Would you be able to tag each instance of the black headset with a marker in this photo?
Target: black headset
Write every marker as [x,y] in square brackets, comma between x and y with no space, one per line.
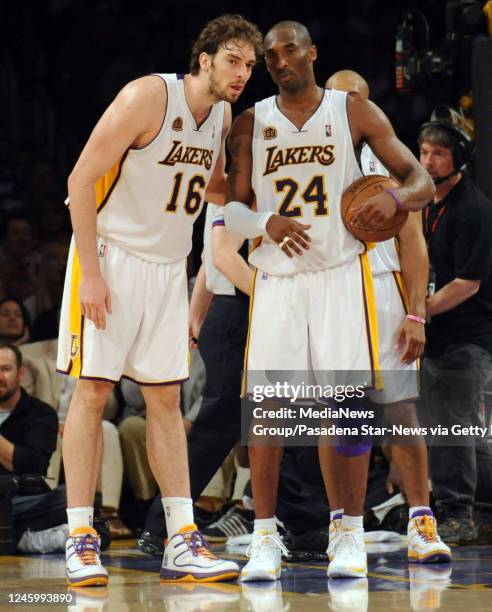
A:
[463,147]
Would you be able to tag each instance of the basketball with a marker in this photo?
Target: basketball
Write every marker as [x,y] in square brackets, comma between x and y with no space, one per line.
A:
[357,194]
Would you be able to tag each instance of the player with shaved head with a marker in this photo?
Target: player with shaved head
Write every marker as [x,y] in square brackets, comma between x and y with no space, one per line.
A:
[311,303]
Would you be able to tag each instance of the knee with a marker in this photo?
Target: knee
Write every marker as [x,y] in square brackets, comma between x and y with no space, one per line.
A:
[92,394]
[162,398]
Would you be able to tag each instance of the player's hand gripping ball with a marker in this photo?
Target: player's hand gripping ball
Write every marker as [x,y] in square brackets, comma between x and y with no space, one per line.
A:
[354,198]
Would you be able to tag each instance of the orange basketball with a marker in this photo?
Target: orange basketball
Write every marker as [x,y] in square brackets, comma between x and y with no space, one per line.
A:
[357,194]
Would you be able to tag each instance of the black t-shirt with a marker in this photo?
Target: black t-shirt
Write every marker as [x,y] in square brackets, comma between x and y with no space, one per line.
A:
[32,427]
[458,230]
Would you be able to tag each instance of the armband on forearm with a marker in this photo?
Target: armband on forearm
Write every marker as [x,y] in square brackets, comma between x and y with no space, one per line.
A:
[241,220]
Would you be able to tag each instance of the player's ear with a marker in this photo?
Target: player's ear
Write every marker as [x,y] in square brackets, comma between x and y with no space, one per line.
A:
[205,61]
[313,53]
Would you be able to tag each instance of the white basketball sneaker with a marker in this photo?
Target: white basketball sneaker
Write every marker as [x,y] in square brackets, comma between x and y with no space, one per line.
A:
[188,558]
[424,543]
[84,566]
[265,557]
[333,533]
[350,557]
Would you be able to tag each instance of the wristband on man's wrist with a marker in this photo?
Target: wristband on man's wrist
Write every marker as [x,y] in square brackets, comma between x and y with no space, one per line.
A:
[416,318]
[396,198]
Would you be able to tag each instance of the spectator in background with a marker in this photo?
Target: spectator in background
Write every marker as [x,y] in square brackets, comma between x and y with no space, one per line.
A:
[28,426]
[14,322]
[18,257]
[458,354]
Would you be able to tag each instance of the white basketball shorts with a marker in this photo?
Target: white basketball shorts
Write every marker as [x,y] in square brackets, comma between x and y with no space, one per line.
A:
[146,336]
[317,322]
[400,381]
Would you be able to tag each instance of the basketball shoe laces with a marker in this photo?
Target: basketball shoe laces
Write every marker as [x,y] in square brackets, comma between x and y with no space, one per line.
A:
[199,545]
[86,548]
[347,542]
[426,528]
[260,542]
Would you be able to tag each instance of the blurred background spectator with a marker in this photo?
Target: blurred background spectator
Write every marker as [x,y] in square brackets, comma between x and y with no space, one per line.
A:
[15,322]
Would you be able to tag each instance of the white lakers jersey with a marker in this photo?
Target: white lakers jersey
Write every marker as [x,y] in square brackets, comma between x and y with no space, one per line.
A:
[149,200]
[384,257]
[302,173]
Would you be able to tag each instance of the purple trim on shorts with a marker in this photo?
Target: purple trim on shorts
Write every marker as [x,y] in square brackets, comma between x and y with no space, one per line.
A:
[157,384]
[99,378]
[66,372]
[168,574]
[338,516]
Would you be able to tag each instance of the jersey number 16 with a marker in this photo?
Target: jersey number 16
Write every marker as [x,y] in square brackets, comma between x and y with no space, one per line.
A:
[194,193]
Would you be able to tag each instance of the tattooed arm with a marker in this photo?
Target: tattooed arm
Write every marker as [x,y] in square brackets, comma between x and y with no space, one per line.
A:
[238,186]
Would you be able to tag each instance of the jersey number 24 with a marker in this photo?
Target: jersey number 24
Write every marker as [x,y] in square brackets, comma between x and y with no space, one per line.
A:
[314,193]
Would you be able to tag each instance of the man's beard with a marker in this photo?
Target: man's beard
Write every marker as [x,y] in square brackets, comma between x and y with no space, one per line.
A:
[8,394]
[219,94]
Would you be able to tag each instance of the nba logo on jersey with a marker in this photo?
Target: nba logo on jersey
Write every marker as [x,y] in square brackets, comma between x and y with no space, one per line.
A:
[74,345]
[372,166]
[269,133]
[177,124]
[102,249]
[328,129]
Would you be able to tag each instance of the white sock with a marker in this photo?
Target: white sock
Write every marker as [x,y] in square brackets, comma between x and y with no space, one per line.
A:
[334,513]
[80,517]
[421,510]
[269,525]
[352,522]
[178,512]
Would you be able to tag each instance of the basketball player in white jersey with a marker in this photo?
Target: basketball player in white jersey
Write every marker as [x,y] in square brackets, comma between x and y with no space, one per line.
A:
[400,274]
[295,153]
[134,194]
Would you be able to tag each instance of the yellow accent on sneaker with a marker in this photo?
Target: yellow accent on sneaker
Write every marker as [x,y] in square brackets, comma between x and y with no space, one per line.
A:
[94,581]
[188,528]
[427,528]
[84,531]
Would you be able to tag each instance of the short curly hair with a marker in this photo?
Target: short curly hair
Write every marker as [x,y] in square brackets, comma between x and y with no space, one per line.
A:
[221,30]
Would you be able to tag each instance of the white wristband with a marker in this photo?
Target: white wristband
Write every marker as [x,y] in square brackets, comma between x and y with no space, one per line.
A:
[240,219]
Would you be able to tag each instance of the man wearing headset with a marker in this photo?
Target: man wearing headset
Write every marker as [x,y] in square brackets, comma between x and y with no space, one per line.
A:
[458,354]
